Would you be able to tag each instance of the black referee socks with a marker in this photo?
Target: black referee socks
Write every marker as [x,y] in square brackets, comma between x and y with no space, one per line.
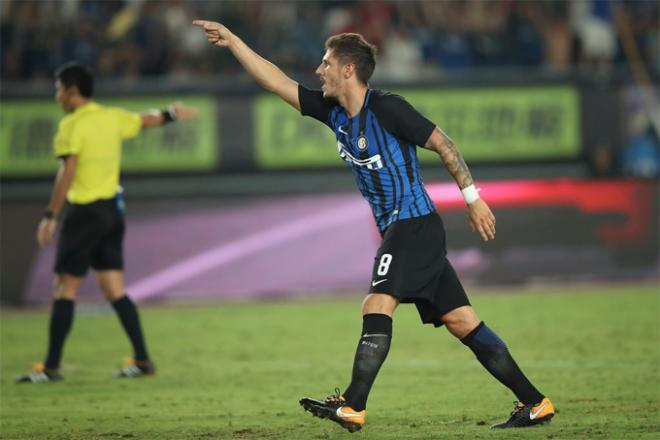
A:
[495,357]
[61,318]
[130,320]
[370,355]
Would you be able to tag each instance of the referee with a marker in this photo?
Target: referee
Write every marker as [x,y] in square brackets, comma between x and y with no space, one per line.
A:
[88,145]
[377,134]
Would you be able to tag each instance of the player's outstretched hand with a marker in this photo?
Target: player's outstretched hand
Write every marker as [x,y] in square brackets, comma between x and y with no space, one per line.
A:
[482,219]
[183,112]
[216,33]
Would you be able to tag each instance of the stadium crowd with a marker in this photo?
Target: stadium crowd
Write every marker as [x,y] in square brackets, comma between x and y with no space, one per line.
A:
[416,39]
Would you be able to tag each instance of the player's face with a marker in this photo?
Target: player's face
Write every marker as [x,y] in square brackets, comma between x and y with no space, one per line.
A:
[329,72]
[63,96]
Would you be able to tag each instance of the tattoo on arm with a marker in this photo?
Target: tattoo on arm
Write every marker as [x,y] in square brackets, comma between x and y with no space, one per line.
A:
[453,160]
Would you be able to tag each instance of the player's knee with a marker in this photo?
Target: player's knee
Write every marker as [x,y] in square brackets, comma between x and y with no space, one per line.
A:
[63,291]
[379,303]
[460,322]
[460,330]
[111,294]
[111,283]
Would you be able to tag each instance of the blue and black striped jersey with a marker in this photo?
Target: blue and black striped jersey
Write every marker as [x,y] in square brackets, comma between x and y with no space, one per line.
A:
[378,145]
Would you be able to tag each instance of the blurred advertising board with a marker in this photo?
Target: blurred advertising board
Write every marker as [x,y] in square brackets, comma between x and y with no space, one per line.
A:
[553,230]
[27,128]
[488,124]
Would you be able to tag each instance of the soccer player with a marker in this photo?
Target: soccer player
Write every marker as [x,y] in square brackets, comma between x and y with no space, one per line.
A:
[376,135]
[88,145]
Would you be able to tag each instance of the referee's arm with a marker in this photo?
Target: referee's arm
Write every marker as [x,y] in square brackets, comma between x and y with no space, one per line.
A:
[267,74]
[174,112]
[63,180]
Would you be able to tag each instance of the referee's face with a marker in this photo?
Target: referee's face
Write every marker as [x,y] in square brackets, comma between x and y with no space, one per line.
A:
[329,72]
[63,96]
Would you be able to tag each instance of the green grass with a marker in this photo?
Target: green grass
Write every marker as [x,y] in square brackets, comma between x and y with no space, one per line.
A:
[236,371]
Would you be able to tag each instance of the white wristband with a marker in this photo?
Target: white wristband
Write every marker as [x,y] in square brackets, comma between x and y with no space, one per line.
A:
[471,194]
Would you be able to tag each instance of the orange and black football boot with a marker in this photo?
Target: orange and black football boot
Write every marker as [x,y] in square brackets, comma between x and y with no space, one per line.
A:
[523,415]
[334,407]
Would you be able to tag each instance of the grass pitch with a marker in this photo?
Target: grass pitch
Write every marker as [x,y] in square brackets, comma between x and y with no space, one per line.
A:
[237,371]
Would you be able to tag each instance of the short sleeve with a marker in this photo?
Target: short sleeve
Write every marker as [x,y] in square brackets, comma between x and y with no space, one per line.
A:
[403,120]
[68,139]
[312,103]
[130,123]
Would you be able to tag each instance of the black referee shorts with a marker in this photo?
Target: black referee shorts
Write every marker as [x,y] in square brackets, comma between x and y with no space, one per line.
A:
[91,235]
[411,265]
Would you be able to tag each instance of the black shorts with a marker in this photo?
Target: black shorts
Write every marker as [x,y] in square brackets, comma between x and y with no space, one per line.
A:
[91,235]
[411,265]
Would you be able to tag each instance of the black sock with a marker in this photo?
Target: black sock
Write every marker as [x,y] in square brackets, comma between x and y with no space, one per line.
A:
[495,357]
[61,318]
[130,320]
[370,355]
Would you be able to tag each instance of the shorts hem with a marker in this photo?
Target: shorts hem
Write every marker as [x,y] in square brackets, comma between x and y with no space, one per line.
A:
[67,271]
[110,267]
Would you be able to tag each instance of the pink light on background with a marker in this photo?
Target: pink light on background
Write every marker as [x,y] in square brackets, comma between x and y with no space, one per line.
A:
[629,198]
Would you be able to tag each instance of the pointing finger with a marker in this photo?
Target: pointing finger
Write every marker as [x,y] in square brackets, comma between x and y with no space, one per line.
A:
[207,25]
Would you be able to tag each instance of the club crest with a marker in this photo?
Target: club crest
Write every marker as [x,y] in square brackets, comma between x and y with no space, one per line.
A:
[362,143]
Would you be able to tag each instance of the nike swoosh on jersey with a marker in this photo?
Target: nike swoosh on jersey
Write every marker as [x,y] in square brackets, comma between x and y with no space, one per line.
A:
[375,283]
[342,130]
[534,414]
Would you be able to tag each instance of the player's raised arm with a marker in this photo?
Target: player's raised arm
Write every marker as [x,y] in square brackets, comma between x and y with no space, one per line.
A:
[268,75]
[479,214]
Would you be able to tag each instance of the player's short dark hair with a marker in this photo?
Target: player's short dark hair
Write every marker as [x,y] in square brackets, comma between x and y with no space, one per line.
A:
[353,48]
[76,74]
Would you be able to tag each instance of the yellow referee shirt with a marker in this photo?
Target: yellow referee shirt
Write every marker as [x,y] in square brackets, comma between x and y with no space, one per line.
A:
[94,133]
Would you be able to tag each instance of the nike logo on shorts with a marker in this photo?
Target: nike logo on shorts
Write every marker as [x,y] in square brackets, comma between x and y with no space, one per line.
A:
[375,283]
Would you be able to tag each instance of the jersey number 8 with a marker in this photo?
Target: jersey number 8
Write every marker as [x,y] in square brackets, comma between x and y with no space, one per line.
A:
[384,265]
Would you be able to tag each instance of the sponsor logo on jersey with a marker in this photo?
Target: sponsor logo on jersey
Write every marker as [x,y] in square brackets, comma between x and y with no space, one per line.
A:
[372,163]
